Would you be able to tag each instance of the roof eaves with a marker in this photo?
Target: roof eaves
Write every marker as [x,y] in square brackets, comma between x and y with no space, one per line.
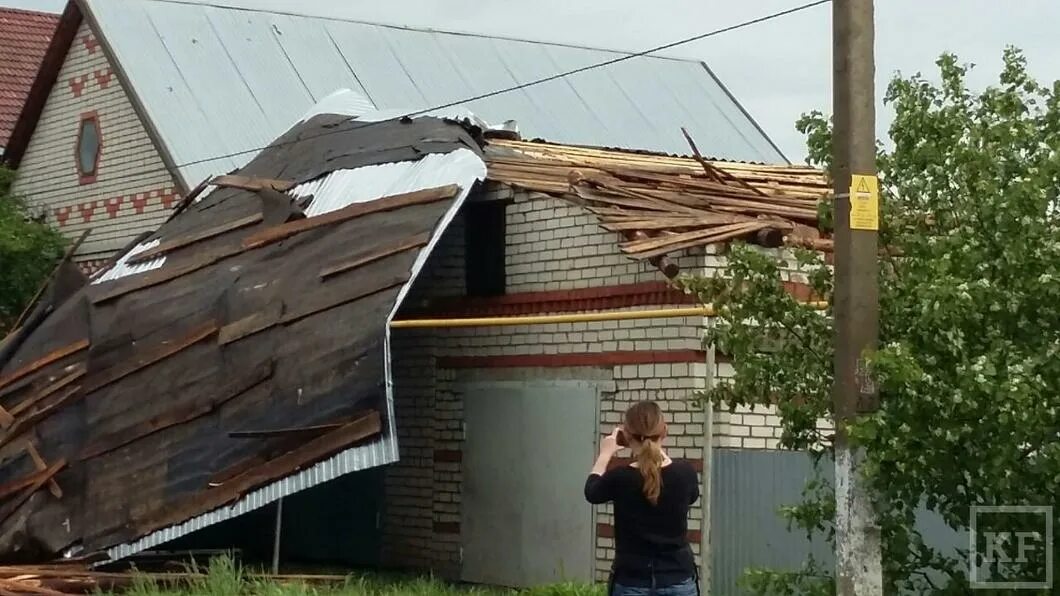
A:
[47,74]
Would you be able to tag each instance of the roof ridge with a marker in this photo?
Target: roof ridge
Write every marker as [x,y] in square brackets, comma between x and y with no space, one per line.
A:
[215,4]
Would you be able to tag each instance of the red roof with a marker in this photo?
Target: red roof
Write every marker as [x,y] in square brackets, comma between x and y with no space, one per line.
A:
[24,37]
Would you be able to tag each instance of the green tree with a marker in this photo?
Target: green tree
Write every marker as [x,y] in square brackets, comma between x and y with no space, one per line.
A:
[969,365]
[28,252]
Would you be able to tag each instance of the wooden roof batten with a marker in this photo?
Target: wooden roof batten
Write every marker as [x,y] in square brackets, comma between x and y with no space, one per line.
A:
[662,204]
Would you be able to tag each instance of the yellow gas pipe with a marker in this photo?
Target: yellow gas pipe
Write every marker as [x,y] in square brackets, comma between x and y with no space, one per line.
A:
[624,315]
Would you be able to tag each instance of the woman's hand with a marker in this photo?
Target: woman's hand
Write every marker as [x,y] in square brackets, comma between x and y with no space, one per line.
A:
[608,448]
[609,444]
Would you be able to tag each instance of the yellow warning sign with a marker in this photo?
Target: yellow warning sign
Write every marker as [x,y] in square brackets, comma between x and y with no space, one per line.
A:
[864,202]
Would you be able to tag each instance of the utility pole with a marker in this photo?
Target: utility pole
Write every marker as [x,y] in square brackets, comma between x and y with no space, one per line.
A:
[858,555]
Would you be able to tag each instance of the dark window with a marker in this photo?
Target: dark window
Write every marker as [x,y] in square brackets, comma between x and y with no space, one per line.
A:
[484,235]
[89,142]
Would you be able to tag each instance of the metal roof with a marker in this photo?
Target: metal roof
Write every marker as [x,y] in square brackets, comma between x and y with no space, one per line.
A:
[219,80]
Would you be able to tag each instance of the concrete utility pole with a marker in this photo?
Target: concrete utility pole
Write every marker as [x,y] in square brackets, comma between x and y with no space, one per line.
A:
[858,556]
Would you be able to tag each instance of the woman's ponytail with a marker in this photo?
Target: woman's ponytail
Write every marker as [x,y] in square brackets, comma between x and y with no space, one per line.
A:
[649,463]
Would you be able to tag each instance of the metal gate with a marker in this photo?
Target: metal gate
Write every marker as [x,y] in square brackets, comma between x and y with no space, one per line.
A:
[524,519]
[749,488]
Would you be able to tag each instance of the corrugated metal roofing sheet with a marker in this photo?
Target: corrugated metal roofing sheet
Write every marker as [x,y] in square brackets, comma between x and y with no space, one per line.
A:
[218,80]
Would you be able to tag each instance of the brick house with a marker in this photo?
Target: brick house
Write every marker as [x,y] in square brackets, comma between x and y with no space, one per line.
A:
[487,426]
[106,144]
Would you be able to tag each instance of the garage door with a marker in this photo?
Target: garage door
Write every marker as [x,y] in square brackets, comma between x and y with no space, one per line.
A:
[527,451]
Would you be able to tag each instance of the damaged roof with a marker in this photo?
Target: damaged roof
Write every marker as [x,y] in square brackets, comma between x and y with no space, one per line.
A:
[238,354]
[24,37]
[662,204]
[221,81]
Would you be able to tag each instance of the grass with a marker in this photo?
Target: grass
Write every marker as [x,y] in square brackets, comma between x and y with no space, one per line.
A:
[225,578]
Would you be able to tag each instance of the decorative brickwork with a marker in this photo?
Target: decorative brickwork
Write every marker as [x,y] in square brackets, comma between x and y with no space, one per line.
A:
[129,192]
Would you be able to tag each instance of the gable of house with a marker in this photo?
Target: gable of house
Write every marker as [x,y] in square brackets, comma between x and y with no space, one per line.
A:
[130,191]
[24,37]
[184,91]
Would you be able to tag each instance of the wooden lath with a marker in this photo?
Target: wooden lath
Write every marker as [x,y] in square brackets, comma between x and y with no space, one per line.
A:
[662,204]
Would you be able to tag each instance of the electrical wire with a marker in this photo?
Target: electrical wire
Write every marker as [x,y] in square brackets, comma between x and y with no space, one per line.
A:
[623,58]
[420,112]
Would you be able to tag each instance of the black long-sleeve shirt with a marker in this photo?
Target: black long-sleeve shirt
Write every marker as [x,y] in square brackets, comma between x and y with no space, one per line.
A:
[649,539]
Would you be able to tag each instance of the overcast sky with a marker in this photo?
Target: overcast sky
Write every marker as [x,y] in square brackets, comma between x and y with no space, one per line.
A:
[778,69]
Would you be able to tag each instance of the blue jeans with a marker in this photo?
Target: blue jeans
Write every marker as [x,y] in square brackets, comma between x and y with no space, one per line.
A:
[685,588]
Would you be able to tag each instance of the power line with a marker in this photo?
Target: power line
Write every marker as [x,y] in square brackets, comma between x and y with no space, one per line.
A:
[540,81]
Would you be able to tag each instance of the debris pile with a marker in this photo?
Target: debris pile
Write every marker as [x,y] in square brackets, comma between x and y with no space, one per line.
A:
[664,204]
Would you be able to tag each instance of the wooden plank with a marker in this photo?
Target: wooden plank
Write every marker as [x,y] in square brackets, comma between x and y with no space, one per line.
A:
[709,169]
[390,250]
[282,432]
[733,233]
[11,507]
[28,421]
[120,287]
[43,361]
[187,199]
[252,183]
[176,416]
[279,467]
[420,197]
[15,486]
[637,246]
[38,462]
[17,587]
[76,372]
[148,357]
[196,236]
[249,325]
[312,309]
[671,223]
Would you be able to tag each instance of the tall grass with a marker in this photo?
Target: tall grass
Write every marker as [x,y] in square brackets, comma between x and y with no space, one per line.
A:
[224,577]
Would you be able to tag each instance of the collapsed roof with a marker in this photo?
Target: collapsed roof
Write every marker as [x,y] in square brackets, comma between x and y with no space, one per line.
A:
[663,204]
[238,354]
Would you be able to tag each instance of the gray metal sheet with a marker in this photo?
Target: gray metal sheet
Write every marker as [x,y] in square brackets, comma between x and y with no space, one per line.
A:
[537,506]
[216,80]
[750,487]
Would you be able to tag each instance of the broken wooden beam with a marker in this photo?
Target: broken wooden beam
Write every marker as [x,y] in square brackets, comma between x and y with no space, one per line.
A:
[181,241]
[53,356]
[38,462]
[283,231]
[252,183]
[42,479]
[365,258]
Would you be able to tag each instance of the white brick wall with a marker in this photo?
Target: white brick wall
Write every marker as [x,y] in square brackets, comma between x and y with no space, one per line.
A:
[565,249]
[131,180]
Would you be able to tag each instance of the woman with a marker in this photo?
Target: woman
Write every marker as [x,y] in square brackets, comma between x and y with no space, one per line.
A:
[651,499]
